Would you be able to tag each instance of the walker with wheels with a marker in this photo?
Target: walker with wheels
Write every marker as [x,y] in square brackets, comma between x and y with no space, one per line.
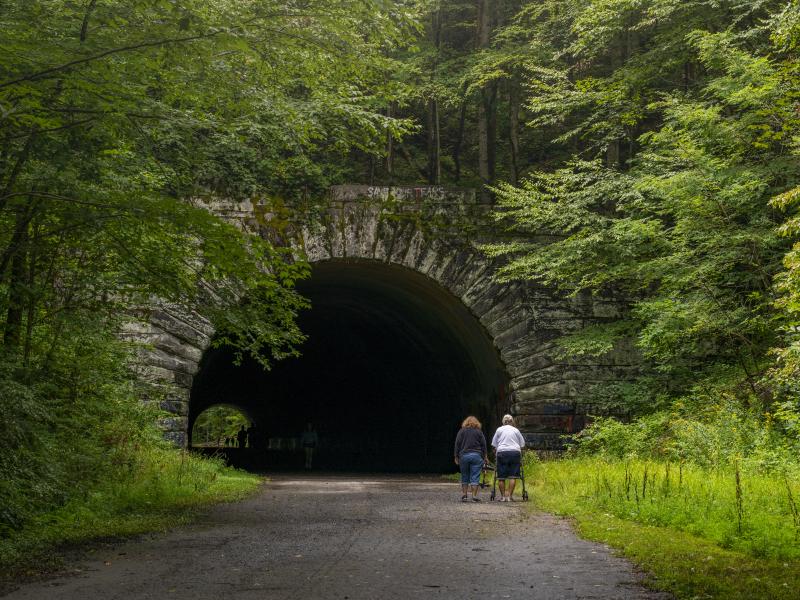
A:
[485,470]
[493,495]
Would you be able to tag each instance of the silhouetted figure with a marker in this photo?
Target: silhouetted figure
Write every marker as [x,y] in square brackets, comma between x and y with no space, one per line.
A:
[252,437]
[309,439]
[242,437]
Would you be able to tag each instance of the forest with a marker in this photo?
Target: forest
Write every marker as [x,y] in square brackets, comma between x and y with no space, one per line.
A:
[657,142]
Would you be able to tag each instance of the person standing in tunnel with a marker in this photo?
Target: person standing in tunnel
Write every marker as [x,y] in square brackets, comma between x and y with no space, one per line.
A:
[252,437]
[508,443]
[241,437]
[470,456]
[309,439]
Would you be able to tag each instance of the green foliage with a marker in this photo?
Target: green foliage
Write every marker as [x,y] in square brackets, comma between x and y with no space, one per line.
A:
[758,519]
[160,487]
[685,535]
[64,434]
[681,121]
[722,437]
[215,424]
[120,123]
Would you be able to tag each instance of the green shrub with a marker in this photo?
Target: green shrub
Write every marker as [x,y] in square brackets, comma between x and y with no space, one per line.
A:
[158,487]
[81,455]
[67,423]
[712,436]
[756,513]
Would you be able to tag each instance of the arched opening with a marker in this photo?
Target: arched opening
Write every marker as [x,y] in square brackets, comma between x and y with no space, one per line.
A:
[219,426]
[392,364]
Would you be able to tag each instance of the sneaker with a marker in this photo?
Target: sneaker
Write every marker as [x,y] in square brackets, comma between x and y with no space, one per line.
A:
[464,498]
[476,499]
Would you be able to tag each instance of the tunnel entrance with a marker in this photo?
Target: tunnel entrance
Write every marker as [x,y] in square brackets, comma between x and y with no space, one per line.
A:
[392,364]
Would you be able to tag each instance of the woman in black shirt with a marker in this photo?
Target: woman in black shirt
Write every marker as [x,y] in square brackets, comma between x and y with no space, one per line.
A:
[470,456]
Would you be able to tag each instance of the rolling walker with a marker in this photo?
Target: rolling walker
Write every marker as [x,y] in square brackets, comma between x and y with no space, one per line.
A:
[493,495]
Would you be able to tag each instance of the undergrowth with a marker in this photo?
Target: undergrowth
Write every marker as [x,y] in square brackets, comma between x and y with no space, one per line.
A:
[705,497]
[162,487]
[756,514]
[81,456]
[693,530]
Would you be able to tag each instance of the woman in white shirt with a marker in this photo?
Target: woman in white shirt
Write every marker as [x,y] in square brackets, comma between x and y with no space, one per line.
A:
[508,444]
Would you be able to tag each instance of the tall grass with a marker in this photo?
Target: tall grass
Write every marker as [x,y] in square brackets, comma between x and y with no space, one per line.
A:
[157,488]
[755,513]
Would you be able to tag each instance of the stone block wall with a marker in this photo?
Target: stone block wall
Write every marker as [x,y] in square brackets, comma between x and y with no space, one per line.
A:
[431,230]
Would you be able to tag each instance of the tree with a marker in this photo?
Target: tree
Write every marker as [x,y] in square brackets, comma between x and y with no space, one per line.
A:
[679,119]
[118,121]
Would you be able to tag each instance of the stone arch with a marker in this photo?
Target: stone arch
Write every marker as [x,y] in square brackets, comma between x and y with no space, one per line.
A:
[424,229]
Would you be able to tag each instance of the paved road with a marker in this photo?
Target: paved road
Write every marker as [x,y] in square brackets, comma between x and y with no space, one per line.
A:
[336,537]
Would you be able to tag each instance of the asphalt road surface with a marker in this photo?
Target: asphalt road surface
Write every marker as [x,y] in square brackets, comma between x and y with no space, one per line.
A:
[354,537]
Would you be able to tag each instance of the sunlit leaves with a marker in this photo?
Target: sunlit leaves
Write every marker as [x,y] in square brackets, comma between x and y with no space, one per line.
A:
[119,120]
[681,226]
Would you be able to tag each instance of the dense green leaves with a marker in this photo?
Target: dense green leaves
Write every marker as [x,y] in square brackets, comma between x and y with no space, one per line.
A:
[218,425]
[119,123]
[682,123]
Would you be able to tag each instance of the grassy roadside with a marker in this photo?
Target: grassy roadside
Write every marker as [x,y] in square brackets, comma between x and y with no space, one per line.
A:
[164,488]
[682,542]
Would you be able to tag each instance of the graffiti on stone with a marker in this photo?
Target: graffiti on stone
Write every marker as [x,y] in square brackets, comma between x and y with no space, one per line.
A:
[416,194]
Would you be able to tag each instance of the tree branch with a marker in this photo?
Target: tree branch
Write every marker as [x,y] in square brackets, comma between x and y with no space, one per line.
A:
[121,49]
[52,129]
[150,44]
[49,196]
[85,24]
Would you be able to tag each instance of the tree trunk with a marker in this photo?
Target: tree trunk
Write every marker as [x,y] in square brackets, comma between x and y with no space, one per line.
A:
[22,157]
[434,141]
[85,24]
[390,110]
[462,118]
[513,126]
[434,144]
[16,294]
[24,216]
[30,316]
[371,169]
[613,155]
[487,118]
[487,134]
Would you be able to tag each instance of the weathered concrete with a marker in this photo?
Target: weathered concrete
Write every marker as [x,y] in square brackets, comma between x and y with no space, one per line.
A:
[428,230]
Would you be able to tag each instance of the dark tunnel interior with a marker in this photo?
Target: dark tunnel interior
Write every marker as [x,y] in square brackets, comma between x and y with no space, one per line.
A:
[392,364]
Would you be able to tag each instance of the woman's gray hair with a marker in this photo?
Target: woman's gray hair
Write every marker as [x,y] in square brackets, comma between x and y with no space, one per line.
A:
[508,420]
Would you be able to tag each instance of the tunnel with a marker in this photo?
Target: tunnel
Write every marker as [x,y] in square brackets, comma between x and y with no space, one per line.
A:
[392,364]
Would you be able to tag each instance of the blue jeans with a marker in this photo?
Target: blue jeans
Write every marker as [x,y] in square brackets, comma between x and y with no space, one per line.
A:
[470,463]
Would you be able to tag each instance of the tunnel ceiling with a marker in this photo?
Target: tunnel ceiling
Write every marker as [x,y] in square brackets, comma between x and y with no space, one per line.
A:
[391,365]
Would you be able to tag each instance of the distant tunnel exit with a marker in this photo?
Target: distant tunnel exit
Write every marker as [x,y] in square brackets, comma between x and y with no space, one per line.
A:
[392,364]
